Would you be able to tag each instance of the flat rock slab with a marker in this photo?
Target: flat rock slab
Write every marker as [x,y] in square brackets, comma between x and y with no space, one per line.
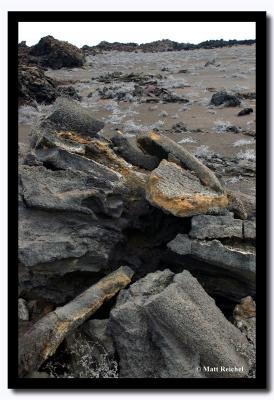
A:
[166,326]
[177,191]
[214,227]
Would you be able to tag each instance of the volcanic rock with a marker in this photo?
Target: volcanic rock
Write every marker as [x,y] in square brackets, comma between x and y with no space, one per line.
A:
[127,147]
[245,111]
[177,191]
[223,98]
[164,148]
[211,227]
[68,115]
[57,54]
[166,326]
[35,86]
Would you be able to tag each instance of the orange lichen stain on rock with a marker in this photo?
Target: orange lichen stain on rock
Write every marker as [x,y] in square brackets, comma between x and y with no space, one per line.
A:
[60,330]
[185,206]
[153,136]
[73,136]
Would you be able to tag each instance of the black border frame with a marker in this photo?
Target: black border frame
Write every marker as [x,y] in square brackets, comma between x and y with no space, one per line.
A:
[14,17]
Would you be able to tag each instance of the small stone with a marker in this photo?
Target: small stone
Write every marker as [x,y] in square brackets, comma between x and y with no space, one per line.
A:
[23,312]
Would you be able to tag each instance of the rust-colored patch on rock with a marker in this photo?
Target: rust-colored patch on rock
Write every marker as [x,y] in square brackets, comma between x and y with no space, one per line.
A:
[73,136]
[177,191]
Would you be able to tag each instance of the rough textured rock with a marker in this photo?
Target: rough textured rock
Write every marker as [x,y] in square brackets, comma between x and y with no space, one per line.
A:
[181,193]
[34,85]
[126,146]
[166,325]
[249,229]
[70,116]
[244,316]
[164,148]
[212,227]
[237,260]
[23,312]
[43,339]
[56,54]
[223,98]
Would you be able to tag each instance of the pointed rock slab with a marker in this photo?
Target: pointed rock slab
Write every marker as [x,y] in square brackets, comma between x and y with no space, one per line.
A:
[164,148]
[177,191]
[166,326]
[43,339]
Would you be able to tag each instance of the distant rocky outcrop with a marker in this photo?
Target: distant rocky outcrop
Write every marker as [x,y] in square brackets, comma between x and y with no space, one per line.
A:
[57,54]
[163,45]
[34,86]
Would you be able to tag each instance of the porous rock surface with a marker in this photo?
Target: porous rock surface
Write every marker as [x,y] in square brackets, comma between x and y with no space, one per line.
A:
[56,54]
[176,190]
[166,326]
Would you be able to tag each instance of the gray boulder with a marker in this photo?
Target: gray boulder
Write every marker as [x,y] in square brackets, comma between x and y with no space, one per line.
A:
[223,98]
[166,326]
[68,115]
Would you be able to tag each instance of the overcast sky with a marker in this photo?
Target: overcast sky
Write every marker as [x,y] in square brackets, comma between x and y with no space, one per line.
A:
[91,33]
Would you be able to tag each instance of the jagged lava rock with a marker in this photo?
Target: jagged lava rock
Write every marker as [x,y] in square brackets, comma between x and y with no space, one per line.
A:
[166,326]
[34,85]
[56,54]
[181,193]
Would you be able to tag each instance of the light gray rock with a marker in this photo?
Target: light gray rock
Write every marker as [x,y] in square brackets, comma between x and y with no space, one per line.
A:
[249,230]
[23,312]
[214,227]
[181,244]
[70,191]
[166,326]
[224,270]
[239,260]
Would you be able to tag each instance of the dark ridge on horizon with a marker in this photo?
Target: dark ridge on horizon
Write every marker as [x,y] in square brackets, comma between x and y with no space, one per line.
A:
[155,46]
[165,45]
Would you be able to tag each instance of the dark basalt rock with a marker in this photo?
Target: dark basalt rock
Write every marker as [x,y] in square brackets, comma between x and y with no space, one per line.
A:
[223,98]
[35,86]
[245,111]
[163,45]
[57,54]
